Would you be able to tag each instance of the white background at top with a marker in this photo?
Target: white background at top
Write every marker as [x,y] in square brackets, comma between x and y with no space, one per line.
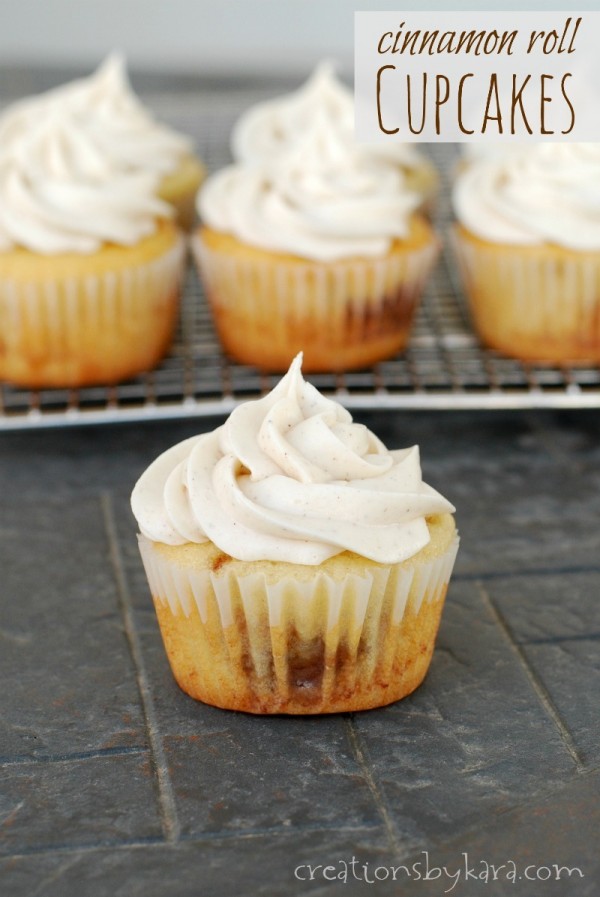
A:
[202,36]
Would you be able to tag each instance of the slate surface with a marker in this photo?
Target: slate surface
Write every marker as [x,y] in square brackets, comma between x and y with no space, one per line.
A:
[113,782]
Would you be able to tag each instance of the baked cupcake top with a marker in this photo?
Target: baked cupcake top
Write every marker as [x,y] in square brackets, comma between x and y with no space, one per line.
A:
[533,194]
[270,128]
[109,118]
[59,194]
[320,199]
[289,477]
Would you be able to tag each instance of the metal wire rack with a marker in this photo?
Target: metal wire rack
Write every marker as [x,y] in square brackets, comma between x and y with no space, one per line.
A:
[444,367]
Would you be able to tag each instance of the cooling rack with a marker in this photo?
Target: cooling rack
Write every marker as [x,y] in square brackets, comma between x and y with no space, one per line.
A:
[444,367]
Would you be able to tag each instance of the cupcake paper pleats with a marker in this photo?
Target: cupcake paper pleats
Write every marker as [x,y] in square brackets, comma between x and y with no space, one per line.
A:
[538,303]
[342,315]
[66,327]
[321,644]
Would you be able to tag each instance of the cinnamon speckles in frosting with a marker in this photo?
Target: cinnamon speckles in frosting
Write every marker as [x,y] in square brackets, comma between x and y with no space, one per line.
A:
[533,194]
[289,477]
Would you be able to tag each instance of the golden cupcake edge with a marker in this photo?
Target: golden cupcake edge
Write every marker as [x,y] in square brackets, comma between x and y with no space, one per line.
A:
[268,637]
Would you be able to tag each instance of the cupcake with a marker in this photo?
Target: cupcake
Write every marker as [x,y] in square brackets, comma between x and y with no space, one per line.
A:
[90,263]
[528,245]
[321,250]
[270,128]
[109,118]
[296,565]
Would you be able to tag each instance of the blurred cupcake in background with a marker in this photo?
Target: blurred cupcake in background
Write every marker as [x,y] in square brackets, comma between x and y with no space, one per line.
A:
[90,260]
[528,244]
[321,249]
[469,153]
[272,127]
[107,116]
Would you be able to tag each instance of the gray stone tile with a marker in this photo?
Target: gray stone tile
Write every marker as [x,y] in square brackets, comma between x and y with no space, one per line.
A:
[472,740]
[69,683]
[443,435]
[556,623]
[544,839]
[74,803]
[239,773]
[261,865]
[257,794]
[571,437]
[518,514]
[85,460]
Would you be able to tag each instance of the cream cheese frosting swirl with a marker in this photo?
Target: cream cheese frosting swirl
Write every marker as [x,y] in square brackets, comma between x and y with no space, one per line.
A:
[268,129]
[109,117]
[80,165]
[321,200]
[534,194]
[58,195]
[289,477]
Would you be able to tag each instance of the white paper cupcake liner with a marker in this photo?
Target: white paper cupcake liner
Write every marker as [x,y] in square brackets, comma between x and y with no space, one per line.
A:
[534,304]
[335,311]
[352,628]
[56,329]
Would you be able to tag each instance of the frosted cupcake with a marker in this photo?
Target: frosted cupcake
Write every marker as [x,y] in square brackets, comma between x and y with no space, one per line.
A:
[90,263]
[110,120]
[528,244]
[268,129]
[322,250]
[296,565]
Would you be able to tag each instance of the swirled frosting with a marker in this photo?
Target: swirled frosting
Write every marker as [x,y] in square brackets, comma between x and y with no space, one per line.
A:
[289,477]
[321,199]
[534,194]
[108,117]
[57,195]
[79,166]
[270,128]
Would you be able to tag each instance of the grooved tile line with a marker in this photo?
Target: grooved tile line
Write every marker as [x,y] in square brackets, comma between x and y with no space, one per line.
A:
[205,838]
[166,798]
[24,759]
[369,778]
[54,876]
[537,685]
